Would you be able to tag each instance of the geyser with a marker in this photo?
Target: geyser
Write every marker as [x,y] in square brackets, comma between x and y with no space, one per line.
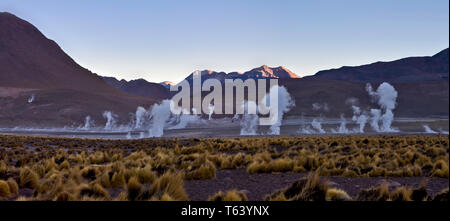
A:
[249,123]
[285,103]
[386,97]
[110,120]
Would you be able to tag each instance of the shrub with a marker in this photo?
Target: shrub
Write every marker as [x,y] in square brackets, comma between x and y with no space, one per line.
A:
[442,196]
[89,172]
[3,169]
[420,193]
[4,189]
[171,184]
[64,165]
[310,188]
[337,195]
[104,180]
[13,187]
[379,193]
[401,194]
[28,178]
[281,165]
[118,180]
[440,169]
[232,195]
[134,188]
[92,192]
[206,170]
[63,196]
[145,175]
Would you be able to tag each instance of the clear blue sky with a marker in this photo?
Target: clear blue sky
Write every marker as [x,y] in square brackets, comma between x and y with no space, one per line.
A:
[166,39]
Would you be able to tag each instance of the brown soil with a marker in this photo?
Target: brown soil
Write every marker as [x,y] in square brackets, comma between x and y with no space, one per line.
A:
[257,186]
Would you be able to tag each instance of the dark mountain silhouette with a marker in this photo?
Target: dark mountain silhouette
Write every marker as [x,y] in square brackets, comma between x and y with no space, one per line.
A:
[412,69]
[139,87]
[415,99]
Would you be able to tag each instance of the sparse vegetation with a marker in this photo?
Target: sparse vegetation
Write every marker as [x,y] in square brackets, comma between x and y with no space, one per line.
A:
[155,169]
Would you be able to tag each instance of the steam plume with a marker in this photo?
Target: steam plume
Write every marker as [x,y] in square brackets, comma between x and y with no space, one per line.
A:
[31,99]
[386,97]
[110,120]
[159,113]
[429,130]
[249,123]
[285,103]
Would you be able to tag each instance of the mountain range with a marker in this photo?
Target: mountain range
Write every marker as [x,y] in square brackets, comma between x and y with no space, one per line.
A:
[32,65]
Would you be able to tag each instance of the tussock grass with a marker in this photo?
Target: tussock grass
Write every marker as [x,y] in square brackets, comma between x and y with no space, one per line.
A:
[232,195]
[334,194]
[442,196]
[28,178]
[58,167]
[13,187]
[170,184]
[4,189]
[310,188]
[440,169]
[134,188]
[401,194]
[379,193]
[420,193]
[92,192]
[118,180]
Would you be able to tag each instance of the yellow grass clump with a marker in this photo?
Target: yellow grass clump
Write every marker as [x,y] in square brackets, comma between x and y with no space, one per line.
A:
[334,194]
[28,178]
[4,189]
[232,195]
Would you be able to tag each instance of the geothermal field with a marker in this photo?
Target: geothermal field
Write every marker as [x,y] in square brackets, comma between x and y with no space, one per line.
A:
[370,156]
[158,121]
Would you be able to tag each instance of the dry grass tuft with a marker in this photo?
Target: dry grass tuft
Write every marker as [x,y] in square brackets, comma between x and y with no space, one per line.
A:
[118,180]
[232,195]
[337,195]
[4,189]
[92,192]
[310,188]
[170,184]
[443,196]
[28,178]
[13,187]
[379,193]
[440,169]
[134,189]
[401,194]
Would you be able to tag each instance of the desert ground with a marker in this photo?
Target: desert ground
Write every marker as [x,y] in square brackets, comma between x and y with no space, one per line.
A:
[362,167]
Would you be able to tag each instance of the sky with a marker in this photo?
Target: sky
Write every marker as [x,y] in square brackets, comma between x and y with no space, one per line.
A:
[167,39]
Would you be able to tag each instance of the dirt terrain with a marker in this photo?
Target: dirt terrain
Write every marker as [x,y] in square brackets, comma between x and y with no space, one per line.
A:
[257,186]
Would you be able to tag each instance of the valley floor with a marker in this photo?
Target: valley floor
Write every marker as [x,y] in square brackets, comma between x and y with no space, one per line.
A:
[225,127]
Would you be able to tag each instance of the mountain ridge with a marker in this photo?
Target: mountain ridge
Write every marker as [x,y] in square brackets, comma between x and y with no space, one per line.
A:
[409,69]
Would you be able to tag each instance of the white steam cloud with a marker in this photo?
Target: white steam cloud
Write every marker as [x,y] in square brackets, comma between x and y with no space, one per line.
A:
[159,113]
[140,117]
[285,103]
[429,130]
[317,125]
[249,123]
[110,120]
[386,97]
[31,99]
[211,111]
